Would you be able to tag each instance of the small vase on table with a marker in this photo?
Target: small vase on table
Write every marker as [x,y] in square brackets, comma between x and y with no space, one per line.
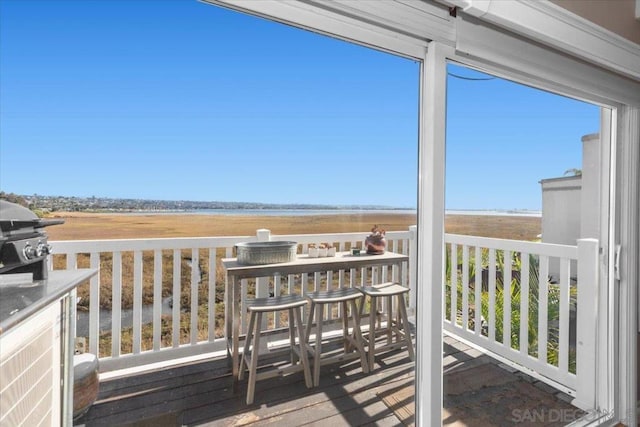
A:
[376,243]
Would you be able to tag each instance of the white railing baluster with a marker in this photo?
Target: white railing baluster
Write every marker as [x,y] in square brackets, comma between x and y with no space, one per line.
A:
[211,305]
[175,315]
[506,291]
[195,280]
[116,304]
[454,283]
[341,274]
[394,268]
[492,294]
[563,333]
[375,275]
[94,305]
[524,304]
[412,251]
[72,261]
[465,287]
[477,292]
[291,284]
[543,304]
[276,293]
[137,302]
[157,299]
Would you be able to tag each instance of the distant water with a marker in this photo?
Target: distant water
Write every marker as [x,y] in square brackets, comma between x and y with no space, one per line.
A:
[276,212]
[307,212]
[515,212]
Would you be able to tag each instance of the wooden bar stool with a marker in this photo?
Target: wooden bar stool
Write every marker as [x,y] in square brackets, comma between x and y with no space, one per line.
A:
[353,343]
[398,326]
[299,355]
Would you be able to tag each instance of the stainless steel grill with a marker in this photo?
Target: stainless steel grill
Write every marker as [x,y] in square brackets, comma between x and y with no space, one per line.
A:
[23,242]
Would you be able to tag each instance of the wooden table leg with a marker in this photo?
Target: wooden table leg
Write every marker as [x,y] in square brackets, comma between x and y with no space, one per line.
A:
[236,327]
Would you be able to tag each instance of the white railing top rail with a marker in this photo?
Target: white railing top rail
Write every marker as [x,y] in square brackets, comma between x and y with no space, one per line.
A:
[109,245]
[549,249]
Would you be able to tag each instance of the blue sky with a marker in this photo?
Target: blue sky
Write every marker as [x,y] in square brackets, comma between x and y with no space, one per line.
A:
[181,100]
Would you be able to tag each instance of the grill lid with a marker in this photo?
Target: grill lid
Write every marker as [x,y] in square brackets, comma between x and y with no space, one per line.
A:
[14,217]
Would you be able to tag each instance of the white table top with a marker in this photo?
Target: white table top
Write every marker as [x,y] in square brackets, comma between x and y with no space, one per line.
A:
[304,264]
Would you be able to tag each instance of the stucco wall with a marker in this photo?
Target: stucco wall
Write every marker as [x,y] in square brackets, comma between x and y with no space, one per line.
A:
[561,214]
[614,15]
[561,209]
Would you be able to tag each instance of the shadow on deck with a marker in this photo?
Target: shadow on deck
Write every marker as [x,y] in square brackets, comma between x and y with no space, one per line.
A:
[478,392]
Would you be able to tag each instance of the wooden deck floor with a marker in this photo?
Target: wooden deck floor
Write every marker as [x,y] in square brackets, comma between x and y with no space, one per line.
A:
[478,391]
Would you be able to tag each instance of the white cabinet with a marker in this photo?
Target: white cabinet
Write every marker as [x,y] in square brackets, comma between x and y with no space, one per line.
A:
[31,370]
[37,333]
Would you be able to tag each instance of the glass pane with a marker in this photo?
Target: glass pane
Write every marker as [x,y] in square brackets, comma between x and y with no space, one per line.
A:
[523,170]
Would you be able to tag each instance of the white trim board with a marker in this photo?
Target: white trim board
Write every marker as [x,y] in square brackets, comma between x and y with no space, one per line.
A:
[405,27]
[476,39]
[402,27]
[554,26]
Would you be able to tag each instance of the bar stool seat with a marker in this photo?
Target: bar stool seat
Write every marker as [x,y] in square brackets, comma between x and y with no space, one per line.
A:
[299,355]
[398,326]
[353,343]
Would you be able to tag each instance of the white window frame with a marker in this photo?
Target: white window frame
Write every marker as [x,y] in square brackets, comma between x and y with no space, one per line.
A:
[423,31]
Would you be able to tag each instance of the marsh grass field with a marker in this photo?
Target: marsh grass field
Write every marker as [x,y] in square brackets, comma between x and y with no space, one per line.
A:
[101,226]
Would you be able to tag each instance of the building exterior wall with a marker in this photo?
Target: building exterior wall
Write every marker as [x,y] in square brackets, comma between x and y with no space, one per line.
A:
[591,194]
[561,210]
[571,205]
[618,16]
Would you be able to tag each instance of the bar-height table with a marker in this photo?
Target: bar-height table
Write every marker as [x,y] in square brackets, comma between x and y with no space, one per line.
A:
[302,264]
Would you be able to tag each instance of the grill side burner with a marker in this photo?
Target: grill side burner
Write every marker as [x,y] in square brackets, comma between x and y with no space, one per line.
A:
[23,243]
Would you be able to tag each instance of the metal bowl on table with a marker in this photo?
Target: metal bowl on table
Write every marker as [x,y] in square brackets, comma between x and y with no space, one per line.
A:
[259,253]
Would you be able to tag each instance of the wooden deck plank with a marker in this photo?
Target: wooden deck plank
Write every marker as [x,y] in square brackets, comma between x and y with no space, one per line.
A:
[202,394]
[345,381]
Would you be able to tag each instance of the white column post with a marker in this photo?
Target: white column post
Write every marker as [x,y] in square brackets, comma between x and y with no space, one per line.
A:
[431,158]
[626,266]
[586,324]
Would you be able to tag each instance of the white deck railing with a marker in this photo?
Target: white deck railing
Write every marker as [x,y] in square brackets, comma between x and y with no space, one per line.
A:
[187,272]
[529,304]
[183,276]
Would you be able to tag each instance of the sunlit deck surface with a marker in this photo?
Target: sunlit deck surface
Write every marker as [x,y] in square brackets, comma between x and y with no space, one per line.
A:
[478,392]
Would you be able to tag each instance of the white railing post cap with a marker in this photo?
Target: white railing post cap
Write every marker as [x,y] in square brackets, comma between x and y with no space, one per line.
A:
[263,234]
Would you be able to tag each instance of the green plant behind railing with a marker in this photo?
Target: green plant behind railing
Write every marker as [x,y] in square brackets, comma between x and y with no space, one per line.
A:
[514,289]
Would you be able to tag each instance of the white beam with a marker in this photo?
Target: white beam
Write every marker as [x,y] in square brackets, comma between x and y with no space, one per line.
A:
[571,77]
[628,268]
[402,27]
[554,26]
